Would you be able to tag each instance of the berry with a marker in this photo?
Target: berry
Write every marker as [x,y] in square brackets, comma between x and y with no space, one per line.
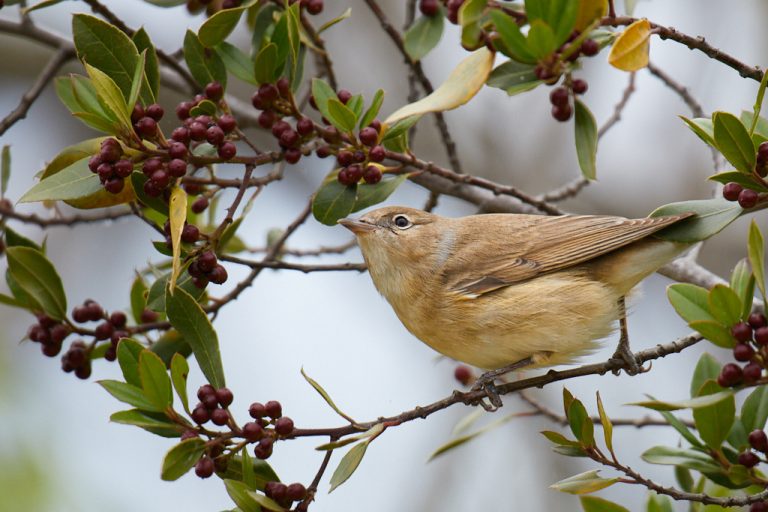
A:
[579,86]
[279,127]
[355,173]
[289,138]
[252,431]
[151,189]
[80,315]
[227,123]
[463,374]
[344,179]
[214,135]
[761,336]
[114,185]
[160,178]
[377,154]
[369,136]
[83,372]
[183,108]
[305,126]
[344,96]
[274,409]
[372,175]
[104,331]
[123,168]
[219,417]
[760,506]
[284,426]
[155,111]
[257,410]
[562,113]
[278,491]
[730,375]
[590,47]
[205,390]
[177,167]
[204,467]
[559,96]
[743,352]
[323,152]
[758,440]
[146,127]
[330,135]
[210,402]
[344,158]
[94,310]
[731,191]
[747,198]
[218,275]
[51,350]
[358,156]
[148,316]
[200,204]
[197,131]
[190,234]
[110,151]
[207,261]
[284,87]
[118,319]
[762,152]
[151,165]
[429,7]
[315,7]
[752,372]
[58,333]
[137,112]
[224,396]
[178,149]
[262,451]
[296,492]
[268,93]
[748,459]
[227,151]
[258,102]
[292,155]
[742,332]
[214,91]
[94,162]
[180,134]
[105,172]
[757,320]
[111,353]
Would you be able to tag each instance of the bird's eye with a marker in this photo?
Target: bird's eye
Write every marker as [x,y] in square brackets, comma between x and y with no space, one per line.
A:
[402,221]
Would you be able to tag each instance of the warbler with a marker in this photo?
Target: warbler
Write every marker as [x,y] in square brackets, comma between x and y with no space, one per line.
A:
[496,290]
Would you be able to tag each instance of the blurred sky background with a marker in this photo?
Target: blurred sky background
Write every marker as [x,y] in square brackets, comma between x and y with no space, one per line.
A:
[58,451]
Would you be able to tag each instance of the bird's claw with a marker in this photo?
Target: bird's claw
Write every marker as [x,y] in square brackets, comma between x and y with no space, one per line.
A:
[631,367]
[491,393]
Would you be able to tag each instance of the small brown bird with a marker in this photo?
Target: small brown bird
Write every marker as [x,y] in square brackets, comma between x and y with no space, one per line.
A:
[505,289]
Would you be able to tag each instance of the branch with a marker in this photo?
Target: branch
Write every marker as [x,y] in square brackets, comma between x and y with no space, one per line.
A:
[306,269]
[61,221]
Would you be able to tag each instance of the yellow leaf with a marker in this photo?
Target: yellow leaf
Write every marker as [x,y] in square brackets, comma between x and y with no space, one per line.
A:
[589,11]
[104,199]
[630,51]
[460,86]
[177,211]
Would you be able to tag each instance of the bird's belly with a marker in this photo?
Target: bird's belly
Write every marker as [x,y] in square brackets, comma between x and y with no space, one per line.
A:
[557,316]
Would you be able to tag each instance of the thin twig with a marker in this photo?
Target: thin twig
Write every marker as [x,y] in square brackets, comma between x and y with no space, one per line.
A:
[284,265]
[69,221]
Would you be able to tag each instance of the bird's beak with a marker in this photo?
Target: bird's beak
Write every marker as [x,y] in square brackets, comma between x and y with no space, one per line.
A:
[357,226]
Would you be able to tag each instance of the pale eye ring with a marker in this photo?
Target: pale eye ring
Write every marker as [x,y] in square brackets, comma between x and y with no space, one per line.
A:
[401,221]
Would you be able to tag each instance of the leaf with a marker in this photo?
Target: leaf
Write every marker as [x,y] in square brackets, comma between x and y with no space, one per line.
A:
[743,283]
[468,437]
[181,458]
[36,275]
[187,317]
[370,433]
[159,425]
[13,239]
[151,67]
[348,464]
[266,503]
[469,16]
[586,140]
[156,297]
[5,168]
[460,87]
[373,109]
[333,200]
[130,394]
[589,11]
[606,422]
[724,305]
[707,368]
[692,403]
[754,411]
[10,301]
[39,5]
[681,428]
[216,28]
[690,301]
[513,41]
[745,180]
[369,195]
[514,78]
[715,421]
[684,478]
[155,203]
[756,254]
[177,206]
[733,141]
[657,503]
[322,93]
[154,380]
[246,465]
[237,62]
[595,504]
[138,80]
[128,351]
[169,344]
[558,438]
[138,297]
[581,423]
[241,495]
[583,483]
[204,63]
[423,35]
[687,458]
[323,393]
[179,373]
[266,63]
[399,129]
[341,17]
[562,18]
[541,39]
[110,96]
[760,123]
[341,116]
[715,332]
[712,216]
[106,48]
[630,50]
[703,128]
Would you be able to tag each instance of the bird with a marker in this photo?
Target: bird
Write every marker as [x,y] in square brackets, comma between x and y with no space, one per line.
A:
[509,291]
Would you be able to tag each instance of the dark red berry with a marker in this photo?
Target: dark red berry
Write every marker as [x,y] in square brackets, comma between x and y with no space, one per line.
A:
[111,353]
[80,315]
[252,431]
[747,198]
[278,491]
[314,7]
[355,173]
[296,492]
[742,332]
[758,440]
[284,87]
[344,158]
[757,320]
[292,155]
[200,204]
[369,136]
[761,336]
[114,185]
[579,86]
[227,151]
[214,91]
[730,375]
[284,426]
[323,151]
[762,152]
[227,123]
[330,134]
[137,112]
[206,261]
[257,410]
[274,409]
[148,316]
[562,113]
[58,333]
[559,96]
[197,131]
[463,374]
[358,156]
[151,165]
[377,154]
[83,372]
[344,95]
[94,162]
[376,125]
[104,331]
[289,138]
[210,402]
[262,451]
[743,352]
[155,111]
[151,189]
[94,310]
[146,127]
[305,126]
[590,47]
[214,135]
[731,191]
[752,372]
[190,234]
[748,459]
[181,134]
[218,275]
[178,149]
[372,175]
[183,108]
[105,172]
[224,396]
[177,167]
[219,417]
[205,390]
[118,319]
[123,168]
[160,178]
[760,506]
[259,102]
[429,7]
[279,127]
[204,467]
[268,93]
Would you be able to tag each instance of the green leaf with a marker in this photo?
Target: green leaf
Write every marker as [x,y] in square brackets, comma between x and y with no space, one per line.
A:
[400,128]
[138,80]
[595,504]
[110,96]
[266,64]
[204,63]
[85,95]
[348,464]
[586,140]
[684,478]
[687,458]
[107,48]
[369,195]
[514,77]
[263,472]
[341,17]
[712,216]
[583,483]
[323,393]
[606,422]
[333,200]
[760,123]
[562,18]
[715,421]
[733,141]
[341,116]
[514,43]
[186,315]
[237,62]
[581,423]
[262,25]
[128,351]
[169,344]
[468,437]
[10,301]
[292,15]
[129,394]
[470,17]
[657,503]
[74,182]
[5,168]
[137,180]
[703,128]
[266,503]
[372,432]
[241,495]
[699,402]
[39,5]
[156,297]
[681,428]
[707,368]
[690,301]
[558,438]
[322,92]
[423,36]
[724,305]
[138,297]
[36,275]
[154,380]
[743,283]
[541,39]
[218,27]
[246,465]
[151,67]
[715,332]
[179,373]
[13,239]
[373,109]
[754,411]
[181,458]
[745,180]
[98,122]
[152,422]
[756,254]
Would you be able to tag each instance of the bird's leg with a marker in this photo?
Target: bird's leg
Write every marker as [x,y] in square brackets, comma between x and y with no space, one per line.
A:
[622,350]
[485,382]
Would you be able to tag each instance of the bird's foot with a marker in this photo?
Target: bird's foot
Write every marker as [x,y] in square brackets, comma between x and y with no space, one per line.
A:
[631,367]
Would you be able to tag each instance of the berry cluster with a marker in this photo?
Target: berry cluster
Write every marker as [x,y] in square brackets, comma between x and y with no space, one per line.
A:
[561,95]
[257,430]
[213,405]
[49,333]
[276,102]
[110,166]
[145,120]
[111,328]
[752,339]
[284,494]
[77,359]
[206,268]
[747,197]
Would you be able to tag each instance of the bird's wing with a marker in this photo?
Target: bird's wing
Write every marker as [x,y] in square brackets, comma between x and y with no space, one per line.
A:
[528,246]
